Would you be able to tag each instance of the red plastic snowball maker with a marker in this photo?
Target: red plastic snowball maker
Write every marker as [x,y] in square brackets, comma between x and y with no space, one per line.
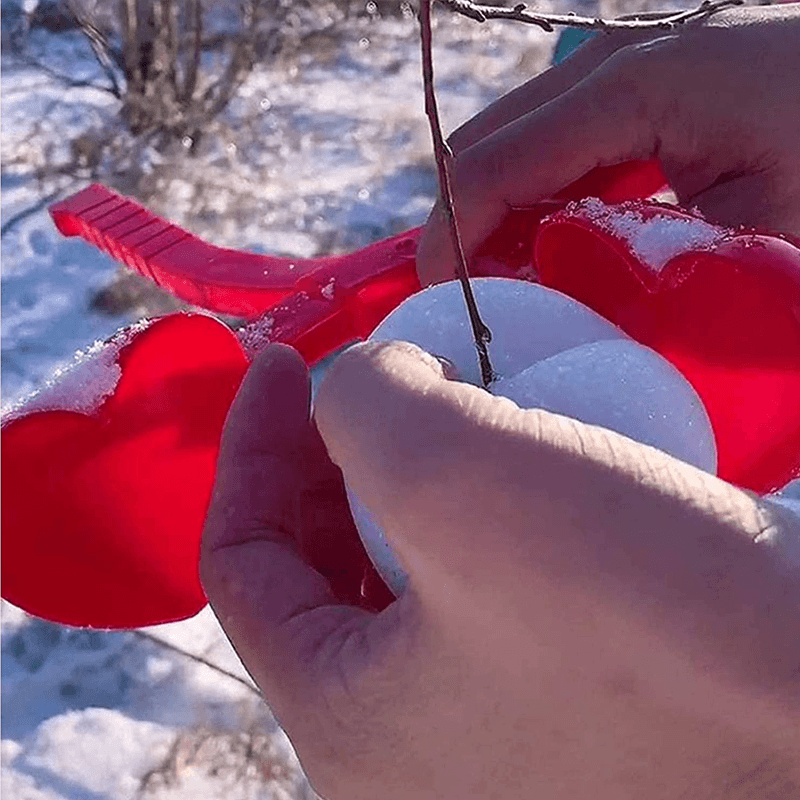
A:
[102,512]
[318,304]
[103,506]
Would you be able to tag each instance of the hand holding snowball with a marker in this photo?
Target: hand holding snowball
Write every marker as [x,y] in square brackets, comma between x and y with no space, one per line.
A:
[586,617]
[552,352]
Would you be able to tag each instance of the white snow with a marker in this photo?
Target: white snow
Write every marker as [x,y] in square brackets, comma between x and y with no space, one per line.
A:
[85,383]
[328,289]
[97,714]
[254,336]
[792,490]
[783,542]
[654,240]
[62,745]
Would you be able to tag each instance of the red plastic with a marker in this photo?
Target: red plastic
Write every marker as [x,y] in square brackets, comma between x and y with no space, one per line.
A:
[102,513]
[220,279]
[319,304]
[728,317]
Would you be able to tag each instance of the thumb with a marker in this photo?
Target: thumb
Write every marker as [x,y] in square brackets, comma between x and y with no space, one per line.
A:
[275,608]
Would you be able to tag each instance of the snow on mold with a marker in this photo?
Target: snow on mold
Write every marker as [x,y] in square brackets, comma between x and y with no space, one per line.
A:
[655,239]
[84,384]
[257,335]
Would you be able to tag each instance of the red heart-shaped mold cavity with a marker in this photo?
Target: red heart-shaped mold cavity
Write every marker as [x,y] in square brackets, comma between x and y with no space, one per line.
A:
[722,306]
[102,513]
[103,509]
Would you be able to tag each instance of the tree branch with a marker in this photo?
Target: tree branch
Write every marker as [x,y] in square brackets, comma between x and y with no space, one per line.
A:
[43,202]
[548,22]
[148,637]
[70,83]
[195,26]
[218,95]
[103,52]
[442,153]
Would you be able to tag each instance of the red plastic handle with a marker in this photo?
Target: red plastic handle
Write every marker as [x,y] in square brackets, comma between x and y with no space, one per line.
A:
[317,304]
[217,278]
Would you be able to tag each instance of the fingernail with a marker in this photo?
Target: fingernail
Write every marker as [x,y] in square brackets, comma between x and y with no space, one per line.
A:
[448,367]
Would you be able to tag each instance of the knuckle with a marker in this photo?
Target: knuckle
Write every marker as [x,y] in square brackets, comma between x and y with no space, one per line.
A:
[636,80]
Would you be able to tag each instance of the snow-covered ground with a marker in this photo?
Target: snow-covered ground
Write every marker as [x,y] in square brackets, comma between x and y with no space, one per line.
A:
[325,151]
[94,714]
[321,152]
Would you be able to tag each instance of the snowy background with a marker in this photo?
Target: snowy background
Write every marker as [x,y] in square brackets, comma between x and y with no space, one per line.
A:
[324,149]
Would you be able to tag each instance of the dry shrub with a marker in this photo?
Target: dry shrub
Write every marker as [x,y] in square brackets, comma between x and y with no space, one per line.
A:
[176,64]
[242,762]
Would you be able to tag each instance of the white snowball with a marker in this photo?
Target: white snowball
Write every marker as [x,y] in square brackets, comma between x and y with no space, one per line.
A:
[791,490]
[625,387]
[549,352]
[378,548]
[528,323]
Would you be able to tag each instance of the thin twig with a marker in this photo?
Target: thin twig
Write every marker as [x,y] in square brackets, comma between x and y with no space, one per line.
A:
[104,54]
[69,82]
[442,152]
[217,96]
[548,22]
[148,637]
[27,212]
[195,26]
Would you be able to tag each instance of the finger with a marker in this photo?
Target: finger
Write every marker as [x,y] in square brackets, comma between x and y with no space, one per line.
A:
[474,493]
[545,87]
[375,380]
[315,510]
[434,260]
[757,201]
[603,119]
[262,589]
[418,450]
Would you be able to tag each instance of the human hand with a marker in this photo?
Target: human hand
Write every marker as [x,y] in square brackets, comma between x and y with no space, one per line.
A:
[717,103]
[586,617]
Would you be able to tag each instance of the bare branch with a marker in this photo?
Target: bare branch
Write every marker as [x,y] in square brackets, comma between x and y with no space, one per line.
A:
[43,202]
[442,152]
[218,95]
[129,16]
[195,25]
[105,55]
[173,41]
[66,80]
[148,637]
[548,22]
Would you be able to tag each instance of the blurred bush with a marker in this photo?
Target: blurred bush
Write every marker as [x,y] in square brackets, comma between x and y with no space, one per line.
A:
[176,64]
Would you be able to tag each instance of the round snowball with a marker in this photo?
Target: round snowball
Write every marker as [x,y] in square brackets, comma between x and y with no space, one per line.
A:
[550,352]
[528,323]
[625,387]
[792,490]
